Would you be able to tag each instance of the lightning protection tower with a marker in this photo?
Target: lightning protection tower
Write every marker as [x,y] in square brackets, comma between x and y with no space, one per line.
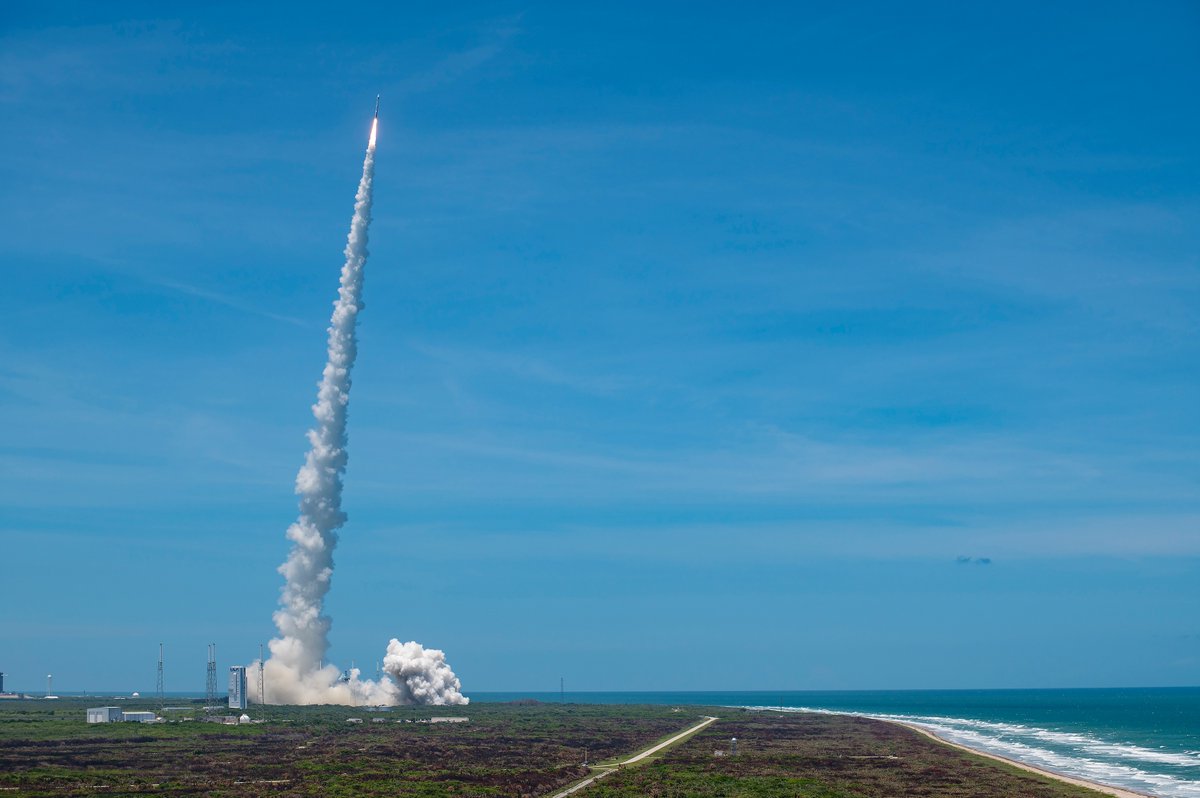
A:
[210,683]
[158,687]
[262,698]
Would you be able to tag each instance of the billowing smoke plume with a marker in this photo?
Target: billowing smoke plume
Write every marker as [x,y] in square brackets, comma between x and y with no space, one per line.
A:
[296,672]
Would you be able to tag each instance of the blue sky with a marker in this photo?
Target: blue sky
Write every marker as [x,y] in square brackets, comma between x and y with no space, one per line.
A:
[702,344]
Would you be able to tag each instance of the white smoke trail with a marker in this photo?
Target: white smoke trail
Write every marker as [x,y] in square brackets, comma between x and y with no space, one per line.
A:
[296,672]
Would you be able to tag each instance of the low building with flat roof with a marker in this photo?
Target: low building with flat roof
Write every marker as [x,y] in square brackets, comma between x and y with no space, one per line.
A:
[104,715]
[139,717]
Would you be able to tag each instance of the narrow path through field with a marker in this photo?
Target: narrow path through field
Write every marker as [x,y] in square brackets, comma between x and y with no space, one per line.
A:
[636,757]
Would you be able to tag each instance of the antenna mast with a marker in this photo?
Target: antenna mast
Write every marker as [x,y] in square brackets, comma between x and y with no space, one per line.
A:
[159,686]
[210,685]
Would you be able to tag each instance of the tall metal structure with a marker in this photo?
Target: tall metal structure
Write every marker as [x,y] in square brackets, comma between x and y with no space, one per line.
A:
[262,696]
[210,682]
[158,687]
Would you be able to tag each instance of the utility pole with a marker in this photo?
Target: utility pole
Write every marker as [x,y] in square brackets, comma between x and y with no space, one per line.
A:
[562,693]
[158,688]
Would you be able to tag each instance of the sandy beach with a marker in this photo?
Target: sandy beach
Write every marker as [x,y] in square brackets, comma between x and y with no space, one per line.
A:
[1104,788]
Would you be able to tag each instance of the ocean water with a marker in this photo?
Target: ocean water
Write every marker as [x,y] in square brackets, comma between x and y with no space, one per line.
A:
[1144,739]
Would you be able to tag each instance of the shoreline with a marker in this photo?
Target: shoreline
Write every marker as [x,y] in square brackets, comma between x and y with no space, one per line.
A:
[1119,792]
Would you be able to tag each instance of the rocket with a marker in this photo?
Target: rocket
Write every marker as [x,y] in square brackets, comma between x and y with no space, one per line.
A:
[374,125]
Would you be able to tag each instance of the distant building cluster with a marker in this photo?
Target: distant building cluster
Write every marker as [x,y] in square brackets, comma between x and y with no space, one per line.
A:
[229,720]
[116,715]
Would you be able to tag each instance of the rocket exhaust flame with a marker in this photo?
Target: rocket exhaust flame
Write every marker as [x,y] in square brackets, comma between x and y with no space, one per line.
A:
[295,672]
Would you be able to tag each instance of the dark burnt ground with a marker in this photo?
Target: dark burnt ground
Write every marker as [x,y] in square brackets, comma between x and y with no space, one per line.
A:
[823,756]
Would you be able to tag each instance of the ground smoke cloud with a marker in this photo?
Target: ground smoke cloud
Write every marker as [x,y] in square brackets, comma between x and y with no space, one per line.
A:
[295,672]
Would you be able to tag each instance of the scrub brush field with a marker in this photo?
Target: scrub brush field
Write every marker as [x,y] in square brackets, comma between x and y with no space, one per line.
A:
[521,749]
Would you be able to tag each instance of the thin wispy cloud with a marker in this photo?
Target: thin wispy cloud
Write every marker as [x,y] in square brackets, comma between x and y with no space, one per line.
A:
[468,363]
[226,300]
[457,65]
[733,315]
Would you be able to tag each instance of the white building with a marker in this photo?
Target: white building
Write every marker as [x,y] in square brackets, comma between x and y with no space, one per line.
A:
[138,717]
[237,687]
[104,715]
